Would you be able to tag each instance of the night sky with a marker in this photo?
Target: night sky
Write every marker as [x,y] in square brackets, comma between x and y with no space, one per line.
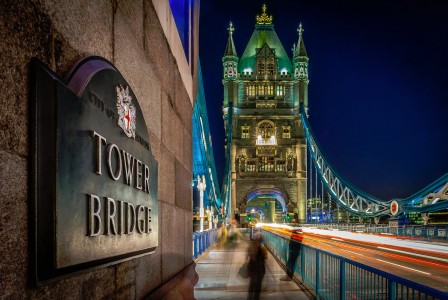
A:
[378,97]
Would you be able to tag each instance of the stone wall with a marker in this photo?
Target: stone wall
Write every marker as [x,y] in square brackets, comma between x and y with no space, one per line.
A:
[129,34]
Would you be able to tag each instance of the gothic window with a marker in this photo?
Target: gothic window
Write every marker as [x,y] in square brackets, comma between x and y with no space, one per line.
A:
[245,132]
[250,90]
[261,66]
[286,132]
[266,164]
[270,66]
[270,90]
[260,89]
[266,129]
[251,165]
[279,90]
[280,165]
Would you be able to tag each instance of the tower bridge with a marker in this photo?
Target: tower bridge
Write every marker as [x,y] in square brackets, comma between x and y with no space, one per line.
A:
[271,151]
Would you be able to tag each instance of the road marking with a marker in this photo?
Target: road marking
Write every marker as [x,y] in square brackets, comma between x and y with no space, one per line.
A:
[415,254]
[403,266]
[336,239]
[352,252]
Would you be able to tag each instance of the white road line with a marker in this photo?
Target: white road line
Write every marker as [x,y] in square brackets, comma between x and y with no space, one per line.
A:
[352,252]
[404,267]
[415,254]
[336,239]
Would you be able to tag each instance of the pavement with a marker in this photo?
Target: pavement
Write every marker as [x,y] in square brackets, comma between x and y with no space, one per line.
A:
[219,279]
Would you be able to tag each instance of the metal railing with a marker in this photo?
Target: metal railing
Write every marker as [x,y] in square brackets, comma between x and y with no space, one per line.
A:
[335,277]
[434,232]
[203,240]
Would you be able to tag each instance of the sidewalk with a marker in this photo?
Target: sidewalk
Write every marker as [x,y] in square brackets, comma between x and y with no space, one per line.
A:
[219,279]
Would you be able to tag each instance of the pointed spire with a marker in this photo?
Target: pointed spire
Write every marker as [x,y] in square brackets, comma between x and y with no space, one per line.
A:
[300,48]
[230,49]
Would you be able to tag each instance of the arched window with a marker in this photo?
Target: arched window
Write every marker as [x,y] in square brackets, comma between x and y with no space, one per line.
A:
[266,129]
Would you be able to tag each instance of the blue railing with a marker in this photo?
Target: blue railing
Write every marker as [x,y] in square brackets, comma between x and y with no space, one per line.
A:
[203,240]
[335,277]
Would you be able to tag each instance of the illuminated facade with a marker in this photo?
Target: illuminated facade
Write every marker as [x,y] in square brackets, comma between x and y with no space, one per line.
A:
[266,148]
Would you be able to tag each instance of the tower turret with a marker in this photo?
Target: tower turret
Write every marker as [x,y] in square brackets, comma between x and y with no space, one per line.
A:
[300,61]
[230,66]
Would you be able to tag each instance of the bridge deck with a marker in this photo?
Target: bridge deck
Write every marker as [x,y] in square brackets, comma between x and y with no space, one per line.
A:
[219,279]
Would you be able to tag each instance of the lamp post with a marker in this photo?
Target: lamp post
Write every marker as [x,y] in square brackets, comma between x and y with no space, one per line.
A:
[201,187]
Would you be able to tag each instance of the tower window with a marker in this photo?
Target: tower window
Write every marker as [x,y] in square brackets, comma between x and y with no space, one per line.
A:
[261,66]
[251,165]
[260,89]
[250,90]
[270,66]
[286,132]
[279,90]
[270,90]
[266,164]
[266,130]
[245,132]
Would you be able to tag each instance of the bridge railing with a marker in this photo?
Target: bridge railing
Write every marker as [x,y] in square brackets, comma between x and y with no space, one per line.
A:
[203,240]
[335,277]
[435,232]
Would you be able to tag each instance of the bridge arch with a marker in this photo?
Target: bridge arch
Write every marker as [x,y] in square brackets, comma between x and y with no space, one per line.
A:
[277,194]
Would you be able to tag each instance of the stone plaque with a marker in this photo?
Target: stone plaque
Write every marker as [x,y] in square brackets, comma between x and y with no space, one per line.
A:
[94,178]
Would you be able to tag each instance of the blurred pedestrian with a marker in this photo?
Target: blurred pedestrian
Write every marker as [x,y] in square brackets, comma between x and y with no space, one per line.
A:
[234,235]
[222,235]
[256,256]
[294,251]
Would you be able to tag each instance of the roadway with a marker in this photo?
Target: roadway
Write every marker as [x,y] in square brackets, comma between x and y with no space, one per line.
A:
[418,261]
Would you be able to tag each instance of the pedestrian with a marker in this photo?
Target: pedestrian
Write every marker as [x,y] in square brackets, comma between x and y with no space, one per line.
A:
[222,235]
[294,251]
[234,234]
[256,256]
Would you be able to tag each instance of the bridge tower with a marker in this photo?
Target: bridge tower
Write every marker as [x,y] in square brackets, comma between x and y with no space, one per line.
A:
[266,146]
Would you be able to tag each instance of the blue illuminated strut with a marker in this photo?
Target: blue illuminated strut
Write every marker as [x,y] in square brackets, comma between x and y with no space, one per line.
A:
[203,159]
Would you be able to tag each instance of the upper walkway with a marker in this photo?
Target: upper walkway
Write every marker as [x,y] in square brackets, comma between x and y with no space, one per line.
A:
[219,279]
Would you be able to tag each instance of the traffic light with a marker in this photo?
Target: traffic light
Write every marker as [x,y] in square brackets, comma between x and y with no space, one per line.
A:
[287,218]
[249,218]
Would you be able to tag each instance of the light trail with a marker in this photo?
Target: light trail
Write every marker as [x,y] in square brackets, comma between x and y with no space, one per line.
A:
[414,254]
[404,267]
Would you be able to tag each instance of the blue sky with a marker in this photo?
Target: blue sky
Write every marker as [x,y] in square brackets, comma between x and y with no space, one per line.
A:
[378,77]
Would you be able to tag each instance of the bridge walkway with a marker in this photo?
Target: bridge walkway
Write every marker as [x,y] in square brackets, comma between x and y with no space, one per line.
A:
[219,279]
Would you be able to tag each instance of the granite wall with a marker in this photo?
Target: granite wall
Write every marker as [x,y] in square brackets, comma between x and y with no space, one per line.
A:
[129,34]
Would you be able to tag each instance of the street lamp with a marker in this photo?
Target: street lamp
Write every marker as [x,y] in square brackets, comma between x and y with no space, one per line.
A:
[201,187]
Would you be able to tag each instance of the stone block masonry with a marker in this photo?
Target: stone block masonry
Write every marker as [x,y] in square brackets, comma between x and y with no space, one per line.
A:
[129,34]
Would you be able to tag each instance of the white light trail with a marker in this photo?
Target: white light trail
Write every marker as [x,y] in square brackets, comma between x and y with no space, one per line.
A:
[404,267]
[414,254]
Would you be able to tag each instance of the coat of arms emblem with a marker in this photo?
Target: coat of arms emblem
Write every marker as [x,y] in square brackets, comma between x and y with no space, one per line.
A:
[126,111]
